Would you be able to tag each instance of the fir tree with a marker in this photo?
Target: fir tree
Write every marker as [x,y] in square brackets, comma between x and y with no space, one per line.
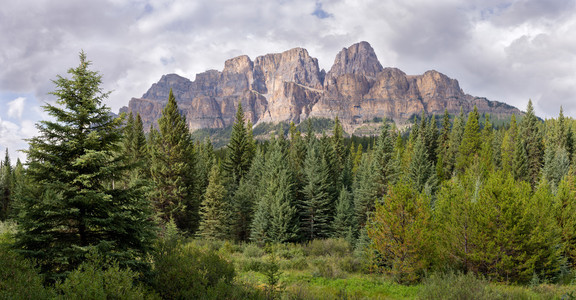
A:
[72,205]
[421,171]
[343,225]
[470,145]
[135,149]
[240,151]
[276,217]
[509,145]
[249,191]
[530,133]
[6,186]
[214,210]
[400,232]
[173,169]
[316,211]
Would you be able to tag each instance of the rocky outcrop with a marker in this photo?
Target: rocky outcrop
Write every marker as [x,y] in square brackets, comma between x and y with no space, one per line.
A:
[289,86]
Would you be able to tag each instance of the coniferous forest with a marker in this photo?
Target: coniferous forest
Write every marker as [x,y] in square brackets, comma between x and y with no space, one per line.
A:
[452,207]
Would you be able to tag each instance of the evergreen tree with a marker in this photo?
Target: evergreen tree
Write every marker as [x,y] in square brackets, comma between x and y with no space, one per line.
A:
[276,217]
[520,163]
[214,210]
[556,165]
[134,147]
[443,154]
[421,171]
[249,191]
[470,145]
[456,136]
[6,187]
[338,145]
[316,211]
[72,205]
[343,225]
[173,169]
[240,151]
[509,142]
[366,190]
[400,232]
[565,213]
[530,132]
[385,164]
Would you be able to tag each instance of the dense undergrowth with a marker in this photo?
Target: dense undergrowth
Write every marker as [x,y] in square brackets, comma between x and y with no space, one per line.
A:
[203,269]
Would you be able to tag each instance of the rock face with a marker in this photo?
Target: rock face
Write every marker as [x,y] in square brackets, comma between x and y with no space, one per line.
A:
[289,86]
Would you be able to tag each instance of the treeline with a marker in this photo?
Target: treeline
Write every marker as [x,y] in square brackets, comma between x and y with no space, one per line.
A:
[457,195]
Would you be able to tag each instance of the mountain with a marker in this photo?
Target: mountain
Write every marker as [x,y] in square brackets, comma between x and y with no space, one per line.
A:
[289,86]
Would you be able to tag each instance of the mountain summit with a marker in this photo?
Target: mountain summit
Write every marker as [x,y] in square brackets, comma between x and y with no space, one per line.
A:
[289,86]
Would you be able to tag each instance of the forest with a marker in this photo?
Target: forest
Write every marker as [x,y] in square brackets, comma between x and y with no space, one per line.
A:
[452,207]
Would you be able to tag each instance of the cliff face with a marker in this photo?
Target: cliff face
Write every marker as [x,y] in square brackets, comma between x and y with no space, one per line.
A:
[289,86]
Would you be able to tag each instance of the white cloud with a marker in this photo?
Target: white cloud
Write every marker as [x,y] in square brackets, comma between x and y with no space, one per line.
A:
[504,50]
[16,107]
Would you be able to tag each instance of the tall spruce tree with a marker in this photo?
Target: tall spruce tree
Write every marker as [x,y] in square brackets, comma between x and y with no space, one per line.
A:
[215,210]
[240,151]
[343,225]
[6,186]
[172,169]
[276,217]
[72,206]
[530,132]
[316,207]
[470,145]
[135,149]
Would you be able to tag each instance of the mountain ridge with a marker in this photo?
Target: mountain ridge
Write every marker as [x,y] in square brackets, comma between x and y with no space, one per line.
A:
[290,87]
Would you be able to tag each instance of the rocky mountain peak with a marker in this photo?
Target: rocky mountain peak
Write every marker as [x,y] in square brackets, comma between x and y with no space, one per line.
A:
[358,59]
[289,86]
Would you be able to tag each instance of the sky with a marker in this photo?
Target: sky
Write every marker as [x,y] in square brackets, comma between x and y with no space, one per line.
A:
[509,51]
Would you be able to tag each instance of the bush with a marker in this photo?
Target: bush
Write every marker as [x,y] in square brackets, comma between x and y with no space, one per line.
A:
[252,250]
[98,279]
[7,231]
[252,264]
[189,272]
[328,247]
[456,286]
[19,279]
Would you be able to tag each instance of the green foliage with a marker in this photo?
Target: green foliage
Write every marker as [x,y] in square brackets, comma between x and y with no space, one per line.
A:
[100,279]
[6,187]
[456,286]
[72,203]
[240,149]
[400,233]
[173,169]
[316,207]
[189,272]
[275,219]
[19,279]
[470,145]
[215,208]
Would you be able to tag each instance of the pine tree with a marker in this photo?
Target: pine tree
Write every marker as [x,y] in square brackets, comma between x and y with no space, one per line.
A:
[316,211]
[470,145]
[173,169]
[565,213]
[343,225]
[240,152]
[456,136]
[443,148]
[135,149]
[366,190]
[215,210]
[276,217]
[509,145]
[71,205]
[385,165]
[249,191]
[338,145]
[400,232]
[421,171]
[6,187]
[520,163]
[530,132]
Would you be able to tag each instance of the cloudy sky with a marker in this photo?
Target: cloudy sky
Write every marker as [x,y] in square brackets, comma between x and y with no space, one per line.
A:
[509,51]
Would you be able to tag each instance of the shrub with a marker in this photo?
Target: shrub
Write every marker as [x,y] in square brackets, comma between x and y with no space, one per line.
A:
[252,250]
[328,247]
[252,264]
[98,279]
[189,272]
[19,279]
[456,286]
